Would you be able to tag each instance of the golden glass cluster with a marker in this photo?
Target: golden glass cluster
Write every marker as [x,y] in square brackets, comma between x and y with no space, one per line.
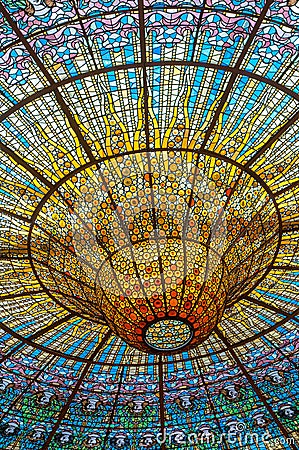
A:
[176,243]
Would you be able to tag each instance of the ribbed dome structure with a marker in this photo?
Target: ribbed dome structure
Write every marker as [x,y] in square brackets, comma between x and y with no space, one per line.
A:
[149,224]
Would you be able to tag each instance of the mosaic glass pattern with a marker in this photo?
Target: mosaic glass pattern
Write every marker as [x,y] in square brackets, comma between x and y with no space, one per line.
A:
[169,242]
[128,127]
[168,335]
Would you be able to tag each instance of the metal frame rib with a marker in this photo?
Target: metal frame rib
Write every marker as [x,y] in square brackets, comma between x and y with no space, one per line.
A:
[50,80]
[255,388]
[66,407]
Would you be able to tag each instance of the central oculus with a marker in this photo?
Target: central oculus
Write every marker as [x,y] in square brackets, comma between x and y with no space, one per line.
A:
[168,334]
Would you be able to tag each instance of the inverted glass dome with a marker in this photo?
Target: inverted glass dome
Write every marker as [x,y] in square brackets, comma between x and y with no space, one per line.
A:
[149,224]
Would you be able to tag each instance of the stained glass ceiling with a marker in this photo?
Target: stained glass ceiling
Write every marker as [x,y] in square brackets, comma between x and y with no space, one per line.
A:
[149,224]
